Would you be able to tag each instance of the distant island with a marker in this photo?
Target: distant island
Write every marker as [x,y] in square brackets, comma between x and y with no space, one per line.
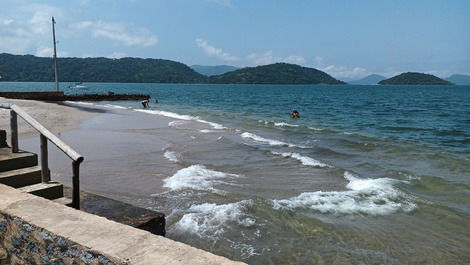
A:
[411,78]
[373,79]
[278,73]
[138,70]
[459,79]
[209,70]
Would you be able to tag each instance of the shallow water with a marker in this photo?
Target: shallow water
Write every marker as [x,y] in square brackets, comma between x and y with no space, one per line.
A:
[367,175]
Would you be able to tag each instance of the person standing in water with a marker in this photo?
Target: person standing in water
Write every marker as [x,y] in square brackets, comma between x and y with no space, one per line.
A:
[145,103]
[295,114]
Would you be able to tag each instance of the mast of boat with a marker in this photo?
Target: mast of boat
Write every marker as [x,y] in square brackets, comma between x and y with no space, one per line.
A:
[55,55]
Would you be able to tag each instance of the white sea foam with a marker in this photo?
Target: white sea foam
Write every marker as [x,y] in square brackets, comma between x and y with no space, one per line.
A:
[272,142]
[305,160]
[365,196]
[175,123]
[80,103]
[285,124]
[210,220]
[182,117]
[315,129]
[207,131]
[172,156]
[196,177]
[114,106]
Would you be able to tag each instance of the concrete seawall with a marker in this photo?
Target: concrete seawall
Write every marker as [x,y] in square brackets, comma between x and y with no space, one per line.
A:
[34,230]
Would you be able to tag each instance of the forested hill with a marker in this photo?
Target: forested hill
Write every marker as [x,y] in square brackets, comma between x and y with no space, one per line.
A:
[278,73]
[126,70]
[415,79]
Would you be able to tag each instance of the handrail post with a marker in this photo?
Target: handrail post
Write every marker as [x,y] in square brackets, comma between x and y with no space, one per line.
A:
[76,185]
[14,131]
[45,173]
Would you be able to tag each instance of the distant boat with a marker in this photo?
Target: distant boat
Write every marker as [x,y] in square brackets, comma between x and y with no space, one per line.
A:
[78,85]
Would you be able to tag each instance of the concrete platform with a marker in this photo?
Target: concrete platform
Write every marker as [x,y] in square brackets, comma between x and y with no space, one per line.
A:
[34,230]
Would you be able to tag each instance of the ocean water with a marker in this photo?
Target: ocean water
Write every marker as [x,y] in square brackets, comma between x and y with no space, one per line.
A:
[367,175]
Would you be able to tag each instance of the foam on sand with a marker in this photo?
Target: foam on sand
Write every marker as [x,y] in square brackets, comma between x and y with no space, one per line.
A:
[196,177]
[172,156]
[365,196]
[182,117]
[272,142]
[210,220]
[305,160]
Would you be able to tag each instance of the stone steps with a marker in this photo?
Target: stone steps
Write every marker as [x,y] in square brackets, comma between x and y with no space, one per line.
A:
[11,161]
[21,177]
[51,190]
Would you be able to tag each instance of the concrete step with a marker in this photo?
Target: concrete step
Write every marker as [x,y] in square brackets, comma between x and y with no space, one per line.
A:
[51,190]
[21,177]
[11,161]
[64,201]
[3,138]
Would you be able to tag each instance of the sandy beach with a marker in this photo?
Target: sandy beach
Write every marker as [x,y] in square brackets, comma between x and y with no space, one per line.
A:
[55,117]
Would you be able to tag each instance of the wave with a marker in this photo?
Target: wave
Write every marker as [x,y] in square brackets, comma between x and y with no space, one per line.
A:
[196,177]
[210,220]
[172,156]
[278,124]
[272,142]
[175,123]
[365,196]
[305,160]
[182,117]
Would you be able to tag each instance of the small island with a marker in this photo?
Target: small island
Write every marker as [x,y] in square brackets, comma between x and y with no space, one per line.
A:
[411,78]
[278,73]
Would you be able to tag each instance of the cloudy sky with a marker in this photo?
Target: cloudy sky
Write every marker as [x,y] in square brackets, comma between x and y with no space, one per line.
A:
[346,38]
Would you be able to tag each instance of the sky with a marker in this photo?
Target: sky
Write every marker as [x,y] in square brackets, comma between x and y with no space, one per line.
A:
[348,39]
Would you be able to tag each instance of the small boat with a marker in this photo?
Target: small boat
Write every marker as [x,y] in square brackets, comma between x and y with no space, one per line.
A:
[78,85]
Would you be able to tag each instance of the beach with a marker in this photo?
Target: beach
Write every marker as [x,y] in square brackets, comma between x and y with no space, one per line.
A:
[243,181]
[55,117]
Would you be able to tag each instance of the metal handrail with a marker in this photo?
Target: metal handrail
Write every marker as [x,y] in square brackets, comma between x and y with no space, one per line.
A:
[46,135]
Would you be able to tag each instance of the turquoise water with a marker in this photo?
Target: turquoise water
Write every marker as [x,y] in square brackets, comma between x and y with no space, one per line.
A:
[367,175]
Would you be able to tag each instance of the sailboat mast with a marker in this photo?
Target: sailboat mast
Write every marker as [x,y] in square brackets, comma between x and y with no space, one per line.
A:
[55,55]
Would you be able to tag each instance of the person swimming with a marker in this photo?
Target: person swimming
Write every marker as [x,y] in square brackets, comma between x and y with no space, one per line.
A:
[294,114]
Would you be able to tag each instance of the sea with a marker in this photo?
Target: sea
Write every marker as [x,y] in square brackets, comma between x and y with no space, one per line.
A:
[366,175]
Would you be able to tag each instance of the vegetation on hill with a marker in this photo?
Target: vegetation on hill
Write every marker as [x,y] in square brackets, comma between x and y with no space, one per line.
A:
[213,70]
[136,70]
[459,79]
[278,73]
[414,79]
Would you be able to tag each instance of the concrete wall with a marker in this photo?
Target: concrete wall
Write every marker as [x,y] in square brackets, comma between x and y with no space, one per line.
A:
[34,230]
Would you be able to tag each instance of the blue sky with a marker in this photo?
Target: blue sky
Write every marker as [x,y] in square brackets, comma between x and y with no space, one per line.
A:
[346,38]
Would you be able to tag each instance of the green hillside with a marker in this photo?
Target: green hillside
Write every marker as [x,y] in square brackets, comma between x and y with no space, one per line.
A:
[278,73]
[135,70]
[415,79]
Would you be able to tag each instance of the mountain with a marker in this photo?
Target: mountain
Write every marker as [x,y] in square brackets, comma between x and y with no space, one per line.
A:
[278,73]
[414,79]
[208,70]
[126,70]
[459,79]
[368,80]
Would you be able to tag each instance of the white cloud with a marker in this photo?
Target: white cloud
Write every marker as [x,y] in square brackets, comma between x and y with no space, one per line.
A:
[269,58]
[48,52]
[340,71]
[215,52]
[117,55]
[122,33]
[30,28]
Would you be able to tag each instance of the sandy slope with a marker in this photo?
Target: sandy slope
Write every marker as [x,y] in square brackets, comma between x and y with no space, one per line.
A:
[55,117]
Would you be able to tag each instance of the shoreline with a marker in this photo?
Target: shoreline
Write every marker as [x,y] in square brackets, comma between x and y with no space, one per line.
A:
[56,117]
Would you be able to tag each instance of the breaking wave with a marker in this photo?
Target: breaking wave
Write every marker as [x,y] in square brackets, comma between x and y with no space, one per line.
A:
[210,220]
[172,156]
[305,160]
[182,117]
[365,196]
[272,142]
[196,177]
